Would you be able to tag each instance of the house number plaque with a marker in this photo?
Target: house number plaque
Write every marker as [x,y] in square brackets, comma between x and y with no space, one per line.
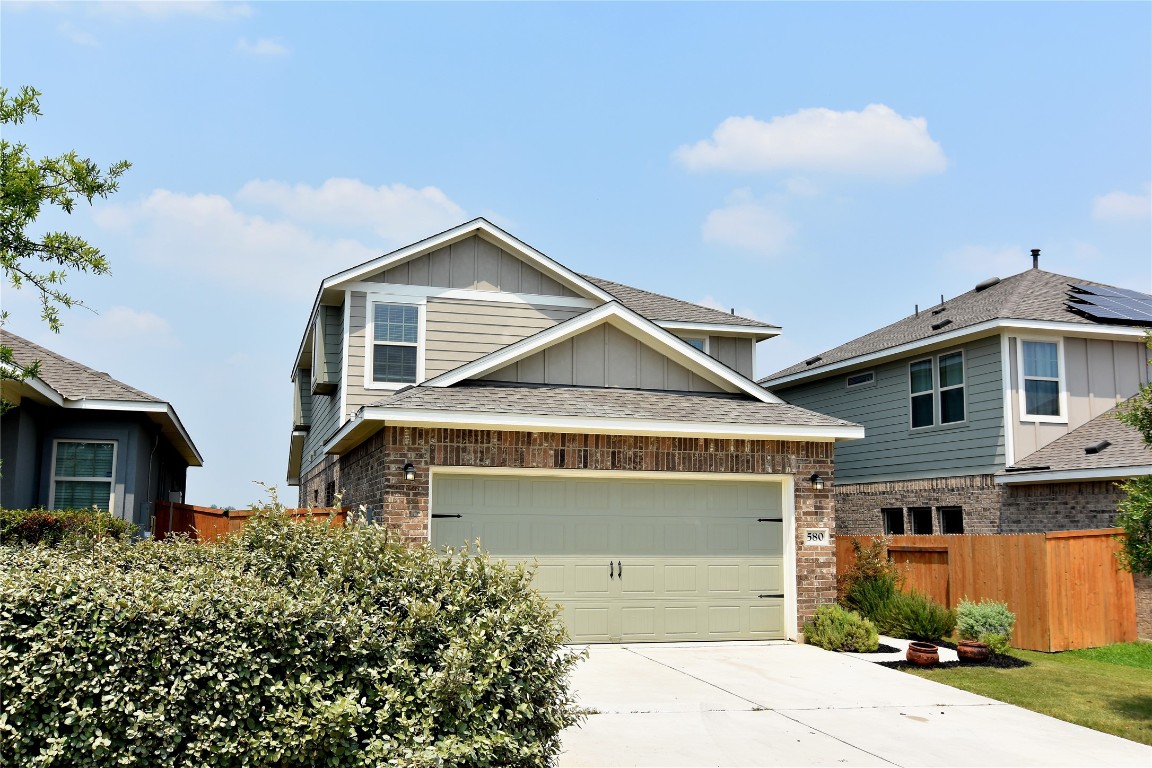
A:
[816,537]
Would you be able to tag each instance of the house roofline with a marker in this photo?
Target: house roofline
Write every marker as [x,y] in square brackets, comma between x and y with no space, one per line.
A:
[1072,475]
[987,327]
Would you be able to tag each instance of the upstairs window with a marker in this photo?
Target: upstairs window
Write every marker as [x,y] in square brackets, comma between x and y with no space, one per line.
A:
[82,474]
[921,520]
[936,390]
[1041,380]
[893,519]
[395,342]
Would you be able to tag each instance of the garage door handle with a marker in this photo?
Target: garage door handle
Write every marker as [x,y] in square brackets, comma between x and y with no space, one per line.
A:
[619,569]
[611,571]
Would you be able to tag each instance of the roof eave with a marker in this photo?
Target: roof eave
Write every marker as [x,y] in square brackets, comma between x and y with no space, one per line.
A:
[1073,475]
[158,411]
[756,332]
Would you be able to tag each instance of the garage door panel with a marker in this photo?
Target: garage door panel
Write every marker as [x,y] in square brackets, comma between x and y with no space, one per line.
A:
[694,556]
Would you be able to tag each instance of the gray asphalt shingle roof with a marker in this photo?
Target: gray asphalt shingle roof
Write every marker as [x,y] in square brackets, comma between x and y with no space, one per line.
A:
[1031,295]
[657,307]
[71,379]
[599,402]
[1127,448]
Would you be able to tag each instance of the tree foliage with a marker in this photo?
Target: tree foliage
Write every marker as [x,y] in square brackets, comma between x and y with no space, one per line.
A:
[1134,513]
[28,186]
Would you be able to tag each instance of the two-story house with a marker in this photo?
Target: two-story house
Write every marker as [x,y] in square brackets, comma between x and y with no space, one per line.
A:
[74,437]
[468,387]
[988,413]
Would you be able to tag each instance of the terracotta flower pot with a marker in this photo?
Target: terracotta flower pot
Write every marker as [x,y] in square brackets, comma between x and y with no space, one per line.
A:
[922,654]
[973,651]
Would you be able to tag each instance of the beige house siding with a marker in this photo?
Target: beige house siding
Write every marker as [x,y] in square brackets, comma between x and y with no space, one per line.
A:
[1098,373]
[603,356]
[473,263]
[737,354]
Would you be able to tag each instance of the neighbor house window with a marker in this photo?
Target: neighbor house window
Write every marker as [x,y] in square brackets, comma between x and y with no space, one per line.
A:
[1041,380]
[700,344]
[893,518]
[82,474]
[860,379]
[395,342]
[936,390]
[921,519]
[951,519]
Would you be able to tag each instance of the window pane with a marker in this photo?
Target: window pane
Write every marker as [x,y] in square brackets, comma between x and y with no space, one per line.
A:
[952,405]
[951,519]
[921,519]
[396,322]
[81,494]
[921,373]
[922,410]
[84,459]
[1040,359]
[698,343]
[893,521]
[1041,398]
[395,364]
[951,369]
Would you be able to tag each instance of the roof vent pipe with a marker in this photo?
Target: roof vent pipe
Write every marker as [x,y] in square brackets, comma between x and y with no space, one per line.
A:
[1035,258]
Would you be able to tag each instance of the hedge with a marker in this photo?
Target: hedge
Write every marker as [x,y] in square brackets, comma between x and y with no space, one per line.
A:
[288,644]
[51,527]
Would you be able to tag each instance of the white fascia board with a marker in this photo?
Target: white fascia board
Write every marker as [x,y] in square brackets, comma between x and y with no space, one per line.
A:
[757,331]
[667,343]
[370,418]
[42,388]
[960,334]
[1073,475]
[504,297]
[536,258]
[157,408]
[295,455]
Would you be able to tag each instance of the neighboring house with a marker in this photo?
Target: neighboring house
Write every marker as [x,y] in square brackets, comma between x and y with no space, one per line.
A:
[988,413]
[76,437]
[469,387]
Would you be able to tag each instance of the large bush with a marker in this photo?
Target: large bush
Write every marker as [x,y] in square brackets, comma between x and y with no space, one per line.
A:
[51,527]
[915,616]
[987,621]
[289,644]
[836,629]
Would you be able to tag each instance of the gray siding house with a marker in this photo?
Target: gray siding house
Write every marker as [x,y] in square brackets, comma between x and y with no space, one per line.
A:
[75,437]
[967,404]
[470,388]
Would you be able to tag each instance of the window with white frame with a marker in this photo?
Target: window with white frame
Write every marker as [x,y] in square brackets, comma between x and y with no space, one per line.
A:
[700,343]
[395,342]
[936,390]
[82,474]
[1041,380]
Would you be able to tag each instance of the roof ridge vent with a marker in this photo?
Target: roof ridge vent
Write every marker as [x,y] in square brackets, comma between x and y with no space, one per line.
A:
[984,285]
[1092,449]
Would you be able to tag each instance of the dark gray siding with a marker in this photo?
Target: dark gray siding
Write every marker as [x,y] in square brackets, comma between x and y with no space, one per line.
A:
[891,450]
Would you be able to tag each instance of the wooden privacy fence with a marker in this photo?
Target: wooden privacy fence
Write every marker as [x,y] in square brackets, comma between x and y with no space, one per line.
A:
[1064,587]
[210,524]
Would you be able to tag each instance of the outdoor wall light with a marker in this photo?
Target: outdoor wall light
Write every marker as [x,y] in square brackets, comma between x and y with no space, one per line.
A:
[817,481]
[409,471]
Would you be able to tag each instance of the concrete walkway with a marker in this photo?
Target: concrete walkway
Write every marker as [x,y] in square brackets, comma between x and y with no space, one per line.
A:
[781,704]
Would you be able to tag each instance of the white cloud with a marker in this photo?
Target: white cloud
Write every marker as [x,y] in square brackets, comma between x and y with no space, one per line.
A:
[749,225]
[207,236]
[261,47]
[978,262]
[711,302]
[395,212]
[77,35]
[873,142]
[119,326]
[165,9]
[1123,205]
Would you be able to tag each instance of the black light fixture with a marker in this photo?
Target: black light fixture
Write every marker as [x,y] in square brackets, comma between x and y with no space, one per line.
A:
[409,471]
[817,481]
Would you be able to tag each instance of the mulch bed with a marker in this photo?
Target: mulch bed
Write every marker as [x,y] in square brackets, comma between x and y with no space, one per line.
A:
[997,661]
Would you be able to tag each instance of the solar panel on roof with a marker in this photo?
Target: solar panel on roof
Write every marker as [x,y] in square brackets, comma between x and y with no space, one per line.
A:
[1115,305]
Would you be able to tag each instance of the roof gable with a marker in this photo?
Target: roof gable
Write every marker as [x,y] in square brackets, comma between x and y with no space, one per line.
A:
[666,310]
[625,323]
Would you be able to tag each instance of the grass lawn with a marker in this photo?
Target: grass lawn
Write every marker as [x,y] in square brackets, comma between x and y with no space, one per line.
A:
[1107,689]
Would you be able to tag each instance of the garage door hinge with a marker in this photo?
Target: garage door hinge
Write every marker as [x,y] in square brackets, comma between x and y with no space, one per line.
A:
[435,515]
[781,594]
[769,519]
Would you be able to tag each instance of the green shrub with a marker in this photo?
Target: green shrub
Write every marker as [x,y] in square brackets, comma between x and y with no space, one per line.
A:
[288,644]
[836,629]
[987,621]
[872,598]
[915,616]
[870,562]
[51,527]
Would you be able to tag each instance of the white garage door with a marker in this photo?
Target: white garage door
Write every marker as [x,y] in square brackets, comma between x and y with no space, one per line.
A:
[632,560]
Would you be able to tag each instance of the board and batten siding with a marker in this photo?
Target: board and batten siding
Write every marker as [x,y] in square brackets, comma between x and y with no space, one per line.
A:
[1098,373]
[603,356]
[891,449]
[457,331]
[738,354]
[476,264]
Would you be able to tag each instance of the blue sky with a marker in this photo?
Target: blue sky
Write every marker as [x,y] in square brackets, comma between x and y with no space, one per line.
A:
[821,166]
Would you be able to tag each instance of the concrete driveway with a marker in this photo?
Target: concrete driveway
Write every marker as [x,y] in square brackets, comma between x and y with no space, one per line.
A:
[781,704]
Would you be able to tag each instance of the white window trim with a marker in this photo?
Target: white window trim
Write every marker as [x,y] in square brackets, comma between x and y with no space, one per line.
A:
[937,423]
[370,331]
[864,384]
[1062,417]
[317,348]
[111,480]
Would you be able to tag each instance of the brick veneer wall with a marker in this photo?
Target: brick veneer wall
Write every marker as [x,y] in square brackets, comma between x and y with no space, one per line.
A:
[1059,506]
[1143,607]
[858,505]
[372,474]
